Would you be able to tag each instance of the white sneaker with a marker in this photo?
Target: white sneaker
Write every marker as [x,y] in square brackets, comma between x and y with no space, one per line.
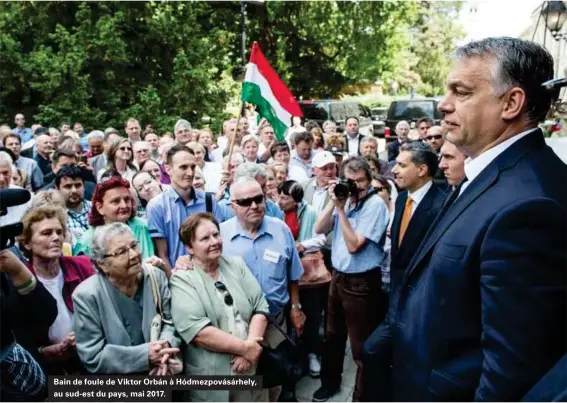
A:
[314,366]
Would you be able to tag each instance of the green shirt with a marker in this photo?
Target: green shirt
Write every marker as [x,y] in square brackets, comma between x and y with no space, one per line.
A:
[138,226]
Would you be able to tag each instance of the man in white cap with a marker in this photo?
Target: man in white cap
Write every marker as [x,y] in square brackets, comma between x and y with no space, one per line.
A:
[315,189]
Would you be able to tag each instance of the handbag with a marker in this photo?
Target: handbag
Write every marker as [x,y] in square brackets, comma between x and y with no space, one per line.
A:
[175,365]
[282,364]
[314,271]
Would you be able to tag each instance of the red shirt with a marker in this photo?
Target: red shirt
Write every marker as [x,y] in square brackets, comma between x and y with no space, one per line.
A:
[292,223]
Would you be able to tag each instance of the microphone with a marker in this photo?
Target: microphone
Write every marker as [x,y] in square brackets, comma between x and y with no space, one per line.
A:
[12,197]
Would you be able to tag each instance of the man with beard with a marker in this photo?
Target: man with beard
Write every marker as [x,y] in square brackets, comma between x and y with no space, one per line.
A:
[69,182]
[356,304]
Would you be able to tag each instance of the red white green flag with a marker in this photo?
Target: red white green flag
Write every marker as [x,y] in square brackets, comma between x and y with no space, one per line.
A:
[263,88]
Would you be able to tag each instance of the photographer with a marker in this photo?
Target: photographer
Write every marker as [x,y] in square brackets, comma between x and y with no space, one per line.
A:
[356,305]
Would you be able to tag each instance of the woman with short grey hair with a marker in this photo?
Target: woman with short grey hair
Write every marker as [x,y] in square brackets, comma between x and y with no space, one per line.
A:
[122,317]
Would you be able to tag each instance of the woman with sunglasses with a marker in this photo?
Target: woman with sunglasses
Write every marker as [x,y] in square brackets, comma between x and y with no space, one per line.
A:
[113,202]
[219,311]
[121,159]
[116,329]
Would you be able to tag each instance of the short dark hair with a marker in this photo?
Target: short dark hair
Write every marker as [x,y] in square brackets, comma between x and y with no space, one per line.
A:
[352,117]
[424,119]
[518,63]
[13,136]
[356,164]
[293,189]
[72,172]
[422,154]
[57,154]
[279,146]
[177,149]
[303,136]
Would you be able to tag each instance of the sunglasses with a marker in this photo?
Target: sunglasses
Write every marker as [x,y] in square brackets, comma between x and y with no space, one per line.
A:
[222,288]
[125,149]
[248,202]
[436,137]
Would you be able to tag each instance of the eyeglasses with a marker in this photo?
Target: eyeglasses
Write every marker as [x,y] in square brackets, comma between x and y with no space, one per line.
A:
[125,149]
[135,246]
[222,288]
[248,202]
[436,137]
[143,150]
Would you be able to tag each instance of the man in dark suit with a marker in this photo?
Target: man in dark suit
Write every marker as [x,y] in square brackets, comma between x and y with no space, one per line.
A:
[416,208]
[481,313]
[353,138]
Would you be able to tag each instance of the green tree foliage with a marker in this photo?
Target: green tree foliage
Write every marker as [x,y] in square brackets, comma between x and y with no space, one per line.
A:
[101,62]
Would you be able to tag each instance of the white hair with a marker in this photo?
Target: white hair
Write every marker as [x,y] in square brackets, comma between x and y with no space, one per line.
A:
[234,155]
[249,137]
[243,182]
[105,234]
[402,123]
[95,134]
[180,124]
[5,157]
[369,139]
[141,144]
[250,170]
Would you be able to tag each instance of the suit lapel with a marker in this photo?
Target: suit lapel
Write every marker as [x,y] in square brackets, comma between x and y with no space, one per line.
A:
[418,218]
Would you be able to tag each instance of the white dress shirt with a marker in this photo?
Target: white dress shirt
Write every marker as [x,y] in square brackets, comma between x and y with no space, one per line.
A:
[473,167]
[212,176]
[319,196]
[418,195]
[352,145]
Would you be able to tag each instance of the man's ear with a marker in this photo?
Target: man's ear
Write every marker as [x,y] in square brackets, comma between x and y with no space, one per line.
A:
[514,102]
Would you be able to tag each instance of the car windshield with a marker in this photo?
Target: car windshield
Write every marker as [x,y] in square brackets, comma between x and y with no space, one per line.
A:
[314,111]
[341,111]
[412,110]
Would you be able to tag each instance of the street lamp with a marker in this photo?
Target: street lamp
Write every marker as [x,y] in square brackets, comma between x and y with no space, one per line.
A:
[555,17]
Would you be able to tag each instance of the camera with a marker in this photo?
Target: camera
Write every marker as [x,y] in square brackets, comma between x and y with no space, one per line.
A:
[344,188]
[9,198]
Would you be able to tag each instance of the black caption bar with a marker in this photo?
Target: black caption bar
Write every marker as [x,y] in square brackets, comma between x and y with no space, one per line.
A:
[127,388]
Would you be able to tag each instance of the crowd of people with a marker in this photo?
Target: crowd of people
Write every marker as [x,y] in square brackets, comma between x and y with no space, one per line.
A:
[443,264]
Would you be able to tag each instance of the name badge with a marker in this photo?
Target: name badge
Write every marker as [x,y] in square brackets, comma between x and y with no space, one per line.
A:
[271,256]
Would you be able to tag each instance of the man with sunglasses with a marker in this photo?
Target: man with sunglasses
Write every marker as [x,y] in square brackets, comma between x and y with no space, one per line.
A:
[268,248]
[356,304]
[435,139]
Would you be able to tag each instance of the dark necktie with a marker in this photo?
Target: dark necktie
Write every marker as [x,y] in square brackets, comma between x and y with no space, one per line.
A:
[451,199]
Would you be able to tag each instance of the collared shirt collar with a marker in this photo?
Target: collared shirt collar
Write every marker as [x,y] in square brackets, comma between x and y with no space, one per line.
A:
[173,195]
[420,193]
[320,189]
[237,230]
[473,167]
[296,157]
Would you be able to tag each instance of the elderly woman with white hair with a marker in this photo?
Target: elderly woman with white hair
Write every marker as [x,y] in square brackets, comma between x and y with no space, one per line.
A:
[182,131]
[95,139]
[402,131]
[249,146]
[122,317]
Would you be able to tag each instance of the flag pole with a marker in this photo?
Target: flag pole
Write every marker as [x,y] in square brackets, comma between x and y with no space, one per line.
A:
[231,149]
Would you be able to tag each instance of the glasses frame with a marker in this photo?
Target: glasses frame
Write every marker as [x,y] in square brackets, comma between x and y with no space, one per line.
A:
[135,246]
[219,285]
[260,199]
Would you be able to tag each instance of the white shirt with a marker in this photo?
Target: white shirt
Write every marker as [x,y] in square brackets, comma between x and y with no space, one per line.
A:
[352,145]
[418,195]
[319,196]
[473,167]
[15,213]
[212,176]
[296,173]
[63,324]
[216,155]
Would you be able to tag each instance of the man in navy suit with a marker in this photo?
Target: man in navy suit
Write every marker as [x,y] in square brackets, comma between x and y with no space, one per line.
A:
[482,310]
[416,208]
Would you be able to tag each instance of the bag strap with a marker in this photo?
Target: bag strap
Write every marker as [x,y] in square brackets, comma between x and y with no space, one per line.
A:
[209,202]
[155,290]
[279,328]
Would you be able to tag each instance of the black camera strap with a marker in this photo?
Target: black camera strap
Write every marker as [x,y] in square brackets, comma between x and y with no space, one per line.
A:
[361,202]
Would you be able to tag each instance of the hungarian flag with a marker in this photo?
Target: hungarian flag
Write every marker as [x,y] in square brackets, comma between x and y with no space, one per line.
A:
[263,88]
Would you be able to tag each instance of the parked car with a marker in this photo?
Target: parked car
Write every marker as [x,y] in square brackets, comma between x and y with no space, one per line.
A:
[412,110]
[337,111]
[379,115]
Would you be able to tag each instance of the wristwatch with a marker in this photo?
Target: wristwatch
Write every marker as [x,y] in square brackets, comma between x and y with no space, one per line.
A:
[296,306]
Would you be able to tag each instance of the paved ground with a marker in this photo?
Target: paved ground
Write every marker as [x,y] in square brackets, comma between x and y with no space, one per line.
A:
[308,385]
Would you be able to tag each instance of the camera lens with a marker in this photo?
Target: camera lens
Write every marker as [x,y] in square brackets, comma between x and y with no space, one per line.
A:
[341,190]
